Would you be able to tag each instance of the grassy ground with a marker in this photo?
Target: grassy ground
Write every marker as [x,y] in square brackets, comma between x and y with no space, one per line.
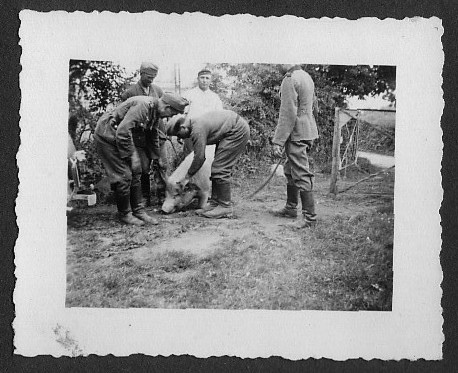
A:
[253,262]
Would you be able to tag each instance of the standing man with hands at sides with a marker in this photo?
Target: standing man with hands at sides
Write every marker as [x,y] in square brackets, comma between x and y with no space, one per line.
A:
[143,136]
[201,100]
[294,135]
[119,155]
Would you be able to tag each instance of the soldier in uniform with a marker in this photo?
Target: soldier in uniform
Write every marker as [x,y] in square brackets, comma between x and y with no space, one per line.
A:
[114,142]
[230,133]
[142,137]
[294,135]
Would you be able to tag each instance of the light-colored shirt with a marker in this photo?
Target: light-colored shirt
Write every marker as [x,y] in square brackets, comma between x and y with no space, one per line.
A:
[202,102]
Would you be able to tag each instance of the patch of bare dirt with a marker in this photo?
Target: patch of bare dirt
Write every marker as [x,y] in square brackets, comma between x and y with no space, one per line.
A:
[95,238]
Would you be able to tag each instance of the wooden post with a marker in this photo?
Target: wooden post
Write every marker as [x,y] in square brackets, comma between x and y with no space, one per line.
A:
[335,153]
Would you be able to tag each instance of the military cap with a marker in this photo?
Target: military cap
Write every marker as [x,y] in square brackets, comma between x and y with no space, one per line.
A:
[204,72]
[148,67]
[174,124]
[175,101]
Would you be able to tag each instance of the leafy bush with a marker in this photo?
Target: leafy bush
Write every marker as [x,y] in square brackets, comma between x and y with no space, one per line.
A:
[252,90]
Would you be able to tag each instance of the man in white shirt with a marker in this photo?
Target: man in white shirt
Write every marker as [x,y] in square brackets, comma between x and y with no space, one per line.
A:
[201,100]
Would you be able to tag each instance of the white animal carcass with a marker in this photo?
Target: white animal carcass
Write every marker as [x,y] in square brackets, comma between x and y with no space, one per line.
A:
[177,197]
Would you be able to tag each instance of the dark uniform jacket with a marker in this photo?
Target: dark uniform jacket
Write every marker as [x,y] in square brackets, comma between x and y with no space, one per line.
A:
[137,90]
[115,127]
[296,121]
[208,129]
[143,137]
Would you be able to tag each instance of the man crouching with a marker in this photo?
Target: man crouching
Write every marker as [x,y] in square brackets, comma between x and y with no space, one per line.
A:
[230,133]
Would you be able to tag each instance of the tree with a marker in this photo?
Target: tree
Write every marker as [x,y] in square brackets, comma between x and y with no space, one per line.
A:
[93,87]
[253,91]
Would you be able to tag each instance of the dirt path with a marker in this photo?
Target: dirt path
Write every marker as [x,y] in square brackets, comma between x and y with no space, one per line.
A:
[378,160]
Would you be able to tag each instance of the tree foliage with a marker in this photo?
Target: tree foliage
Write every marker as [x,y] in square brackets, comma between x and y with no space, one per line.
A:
[93,87]
[253,91]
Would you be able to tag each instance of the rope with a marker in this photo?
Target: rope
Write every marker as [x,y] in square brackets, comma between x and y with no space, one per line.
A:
[268,179]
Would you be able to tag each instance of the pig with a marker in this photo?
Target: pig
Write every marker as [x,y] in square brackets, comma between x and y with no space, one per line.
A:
[177,197]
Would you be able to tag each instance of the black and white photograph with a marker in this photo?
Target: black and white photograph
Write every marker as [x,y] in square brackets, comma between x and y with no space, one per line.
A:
[225,189]
[251,229]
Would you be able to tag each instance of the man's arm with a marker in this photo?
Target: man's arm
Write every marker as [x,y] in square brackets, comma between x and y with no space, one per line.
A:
[288,112]
[136,114]
[127,93]
[199,142]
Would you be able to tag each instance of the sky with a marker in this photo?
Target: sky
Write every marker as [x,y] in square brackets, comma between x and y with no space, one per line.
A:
[376,102]
[165,76]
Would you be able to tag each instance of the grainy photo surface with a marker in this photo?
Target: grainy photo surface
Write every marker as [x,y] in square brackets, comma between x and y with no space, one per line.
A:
[256,258]
[222,188]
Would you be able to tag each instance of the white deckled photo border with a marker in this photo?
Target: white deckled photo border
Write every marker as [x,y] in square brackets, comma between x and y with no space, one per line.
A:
[412,330]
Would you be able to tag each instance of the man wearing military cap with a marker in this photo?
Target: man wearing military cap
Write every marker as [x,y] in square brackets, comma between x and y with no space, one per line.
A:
[119,155]
[142,137]
[294,135]
[230,132]
[145,86]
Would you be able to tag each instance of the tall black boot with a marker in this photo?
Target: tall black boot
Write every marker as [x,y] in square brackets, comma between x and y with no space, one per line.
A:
[308,209]
[146,188]
[292,199]
[124,212]
[138,208]
[225,208]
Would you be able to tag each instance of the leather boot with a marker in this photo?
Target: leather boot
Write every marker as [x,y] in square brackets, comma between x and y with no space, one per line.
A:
[308,210]
[146,188]
[225,208]
[124,214]
[138,209]
[290,209]
[212,202]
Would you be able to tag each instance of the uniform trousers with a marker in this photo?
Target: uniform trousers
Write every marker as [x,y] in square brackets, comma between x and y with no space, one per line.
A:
[119,171]
[297,168]
[228,150]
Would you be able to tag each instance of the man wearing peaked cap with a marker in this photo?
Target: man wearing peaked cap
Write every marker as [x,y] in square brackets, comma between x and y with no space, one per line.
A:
[176,102]
[230,133]
[119,155]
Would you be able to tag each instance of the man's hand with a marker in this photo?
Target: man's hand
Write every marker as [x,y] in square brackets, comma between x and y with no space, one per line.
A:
[161,162]
[308,144]
[134,161]
[80,155]
[278,151]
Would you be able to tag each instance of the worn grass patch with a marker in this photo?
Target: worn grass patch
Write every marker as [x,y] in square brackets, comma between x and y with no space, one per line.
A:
[342,264]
